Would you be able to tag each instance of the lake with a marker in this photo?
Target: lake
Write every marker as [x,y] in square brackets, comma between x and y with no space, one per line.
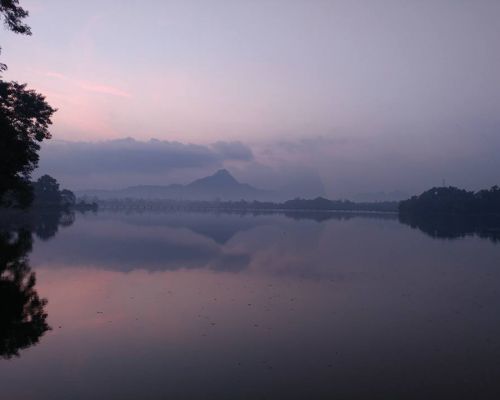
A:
[205,305]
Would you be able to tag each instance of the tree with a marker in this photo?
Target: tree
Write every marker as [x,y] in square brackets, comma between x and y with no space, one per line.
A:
[13,15]
[451,200]
[68,198]
[47,192]
[24,121]
[25,117]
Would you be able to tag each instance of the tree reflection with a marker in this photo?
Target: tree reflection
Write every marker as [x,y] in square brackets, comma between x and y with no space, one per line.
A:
[46,225]
[446,226]
[23,319]
[22,314]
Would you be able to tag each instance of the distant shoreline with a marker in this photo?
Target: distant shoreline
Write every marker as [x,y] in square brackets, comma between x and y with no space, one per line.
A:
[262,210]
[301,205]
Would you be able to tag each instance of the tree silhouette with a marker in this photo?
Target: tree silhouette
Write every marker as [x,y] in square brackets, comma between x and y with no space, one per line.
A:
[47,191]
[12,15]
[451,200]
[68,198]
[24,120]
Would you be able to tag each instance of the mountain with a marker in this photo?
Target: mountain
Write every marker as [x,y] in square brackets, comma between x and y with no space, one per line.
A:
[221,185]
[224,186]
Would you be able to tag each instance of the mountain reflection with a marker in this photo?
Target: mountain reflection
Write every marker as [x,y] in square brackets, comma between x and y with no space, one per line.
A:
[22,310]
[455,226]
[222,225]
[236,242]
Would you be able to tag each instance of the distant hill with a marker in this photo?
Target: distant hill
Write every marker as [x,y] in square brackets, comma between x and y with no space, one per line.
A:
[221,185]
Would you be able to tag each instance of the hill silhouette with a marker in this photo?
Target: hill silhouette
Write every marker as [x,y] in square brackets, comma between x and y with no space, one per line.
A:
[221,185]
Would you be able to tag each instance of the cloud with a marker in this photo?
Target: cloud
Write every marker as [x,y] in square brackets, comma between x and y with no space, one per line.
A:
[104,89]
[412,161]
[57,75]
[132,157]
[90,86]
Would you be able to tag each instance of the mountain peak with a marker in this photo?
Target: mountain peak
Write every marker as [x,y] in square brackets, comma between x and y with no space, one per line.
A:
[223,173]
[221,178]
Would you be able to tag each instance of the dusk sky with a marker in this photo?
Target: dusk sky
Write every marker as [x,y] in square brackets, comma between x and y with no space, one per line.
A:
[348,97]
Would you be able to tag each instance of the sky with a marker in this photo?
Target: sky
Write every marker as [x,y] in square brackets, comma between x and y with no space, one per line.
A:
[342,98]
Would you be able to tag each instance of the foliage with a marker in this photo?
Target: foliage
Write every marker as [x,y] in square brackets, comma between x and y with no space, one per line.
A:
[24,120]
[68,198]
[451,200]
[47,191]
[12,15]
[48,195]
[25,117]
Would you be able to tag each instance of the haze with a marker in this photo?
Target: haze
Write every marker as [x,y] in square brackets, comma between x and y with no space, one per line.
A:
[344,97]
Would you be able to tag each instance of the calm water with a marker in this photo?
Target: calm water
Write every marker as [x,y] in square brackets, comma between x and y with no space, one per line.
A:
[226,306]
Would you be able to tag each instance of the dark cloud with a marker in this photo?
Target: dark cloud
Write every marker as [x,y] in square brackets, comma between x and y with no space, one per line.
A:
[132,156]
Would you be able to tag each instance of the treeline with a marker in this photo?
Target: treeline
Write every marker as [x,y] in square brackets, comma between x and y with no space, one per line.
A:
[46,194]
[451,200]
[318,204]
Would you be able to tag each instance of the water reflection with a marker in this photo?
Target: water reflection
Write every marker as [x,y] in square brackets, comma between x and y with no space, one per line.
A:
[183,240]
[22,311]
[455,226]
[233,242]
[224,306]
